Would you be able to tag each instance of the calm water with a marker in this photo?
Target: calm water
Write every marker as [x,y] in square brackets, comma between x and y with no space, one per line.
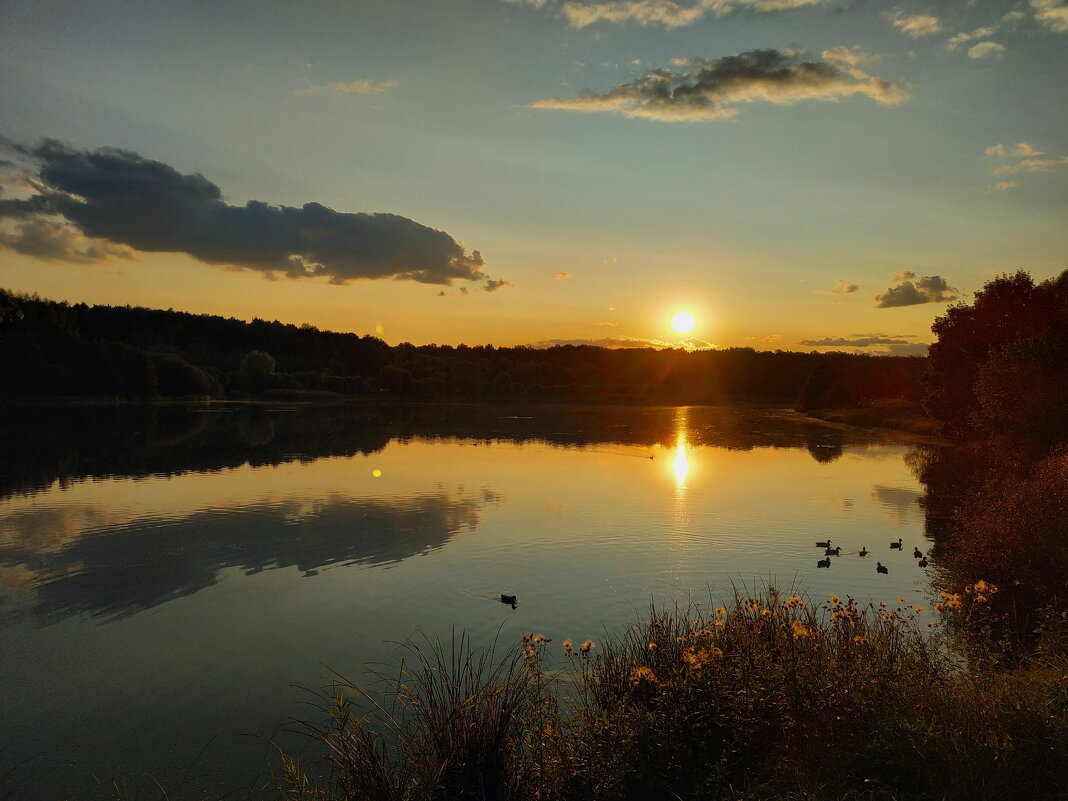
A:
[170,579]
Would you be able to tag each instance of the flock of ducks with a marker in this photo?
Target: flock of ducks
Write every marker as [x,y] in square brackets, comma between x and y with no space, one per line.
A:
[879,566]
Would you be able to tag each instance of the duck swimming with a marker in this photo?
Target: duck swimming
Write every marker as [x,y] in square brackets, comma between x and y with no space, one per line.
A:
[917,553]
[509,599]
[826,544]
[881,568]
[896,545]
[835,551]
[863,551]
[824,562]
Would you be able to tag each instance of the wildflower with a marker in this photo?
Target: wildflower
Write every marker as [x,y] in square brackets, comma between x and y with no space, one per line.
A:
[799,629]
[885,616]
[528,651]
[642,674]
[695,660]
[882,604]
[939,606]
[721,610]
[652,646]
[918,608]
[901,600]
[704,633]
[980,585]
[719,624]
[539,639]
[567,643]
[834,599]
[860,640]
[753,605]
[587,645]
[793,601]
[680,639]
[765,613]
[716,652]
[981,599]
[928,624]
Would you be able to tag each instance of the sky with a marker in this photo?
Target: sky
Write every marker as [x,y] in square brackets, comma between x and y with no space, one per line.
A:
[797,174]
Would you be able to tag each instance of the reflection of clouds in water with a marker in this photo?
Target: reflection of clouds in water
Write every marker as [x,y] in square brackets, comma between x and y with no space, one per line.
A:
[899,504]
[29,532]
[114,570]
[841,506]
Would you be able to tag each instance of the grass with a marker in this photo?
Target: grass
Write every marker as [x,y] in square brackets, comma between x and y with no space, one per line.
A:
[769,697]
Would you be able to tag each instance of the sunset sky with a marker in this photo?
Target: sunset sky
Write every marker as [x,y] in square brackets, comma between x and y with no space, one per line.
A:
[797,174]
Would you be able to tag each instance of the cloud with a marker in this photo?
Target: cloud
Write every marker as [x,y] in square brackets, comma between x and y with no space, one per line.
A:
[963,38]
[119,196]
[607,323]
[560,276]
[666,13]
[622,342]
[1030,159]
[986,50]
[49,240]
[916,25]
[1052,14]
[493,284]
[840,288]
[1001,186]
[711,89]
[853,342]
[912,291]
[363,86]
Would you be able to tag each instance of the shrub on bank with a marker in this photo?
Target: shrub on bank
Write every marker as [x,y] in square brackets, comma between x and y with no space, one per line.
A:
[769,697]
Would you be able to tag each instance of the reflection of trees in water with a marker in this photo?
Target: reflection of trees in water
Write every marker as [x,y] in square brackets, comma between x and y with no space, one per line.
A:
[119,570]
[45,445]
[998,513]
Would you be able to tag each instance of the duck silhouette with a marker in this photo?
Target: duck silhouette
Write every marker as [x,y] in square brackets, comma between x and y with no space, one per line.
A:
[881,568]
[835,551]
[863,551]
[896,545]
[923,562]
[826,544]
[917,553]
[509,599]
[824,562]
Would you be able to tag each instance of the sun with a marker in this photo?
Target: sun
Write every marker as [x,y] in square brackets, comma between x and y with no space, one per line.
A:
[683,322]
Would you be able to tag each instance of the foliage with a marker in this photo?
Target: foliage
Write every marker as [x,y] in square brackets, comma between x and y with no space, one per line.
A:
[47,349]
[1013,332]
[768,697]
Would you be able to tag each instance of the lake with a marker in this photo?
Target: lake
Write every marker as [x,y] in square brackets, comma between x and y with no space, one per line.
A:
[175,580]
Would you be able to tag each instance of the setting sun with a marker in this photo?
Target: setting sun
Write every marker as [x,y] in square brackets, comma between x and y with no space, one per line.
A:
[683,322]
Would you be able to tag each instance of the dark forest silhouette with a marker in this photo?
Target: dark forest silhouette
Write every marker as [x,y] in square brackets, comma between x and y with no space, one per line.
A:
[53,349]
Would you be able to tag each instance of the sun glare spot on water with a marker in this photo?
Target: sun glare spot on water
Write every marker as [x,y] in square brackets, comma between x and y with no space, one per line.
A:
[683,322]
[681,465]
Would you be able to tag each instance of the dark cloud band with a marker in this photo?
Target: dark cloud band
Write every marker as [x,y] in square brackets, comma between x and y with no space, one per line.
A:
[119,196]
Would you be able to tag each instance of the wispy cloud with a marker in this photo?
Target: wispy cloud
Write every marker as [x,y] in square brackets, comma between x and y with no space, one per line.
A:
[668,14]
[960,39]
[134,202]
[1052,14]
[711,89]
[1029,159]
[859,341]
[840,288]
[986,50]
[560,276]
[362,86]
[493,285]
[912,291]
[914,25]
[1003,186]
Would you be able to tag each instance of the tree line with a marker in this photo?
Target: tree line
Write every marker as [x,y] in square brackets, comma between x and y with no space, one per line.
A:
[57,349]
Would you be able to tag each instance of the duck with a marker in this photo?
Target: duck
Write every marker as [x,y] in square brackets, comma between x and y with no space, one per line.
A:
[824,562]
[881,568]
[923,562]
[917,553]
[896,545]
[826,544]
[509,599]
[835,551]
[863,551]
